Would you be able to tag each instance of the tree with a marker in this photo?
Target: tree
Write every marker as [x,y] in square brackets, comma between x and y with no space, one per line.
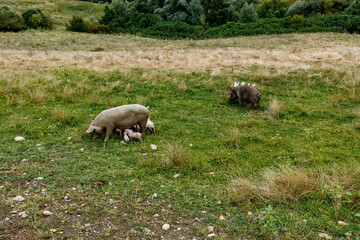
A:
[248,13]
[354,8]
[218,12]
[188,11]
[121,7]
[145,6]
[304,7]
[273,8]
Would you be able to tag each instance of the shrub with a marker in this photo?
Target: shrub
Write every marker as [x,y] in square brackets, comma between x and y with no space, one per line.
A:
[142,20]
[34,18]
[354,8]
[172,30]
[248,13]
[334,6]
[304,7]
[112,19]
[77,24]
[295,22]
[273,8]
[99,28]
[10,20]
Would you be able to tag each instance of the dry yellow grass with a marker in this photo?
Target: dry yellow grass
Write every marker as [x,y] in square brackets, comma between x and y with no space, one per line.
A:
[275,106]
[60,115]
[217,56]
[292,184]
[177,155]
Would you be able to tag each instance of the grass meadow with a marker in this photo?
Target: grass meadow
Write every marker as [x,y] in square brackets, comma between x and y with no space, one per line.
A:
[240,171]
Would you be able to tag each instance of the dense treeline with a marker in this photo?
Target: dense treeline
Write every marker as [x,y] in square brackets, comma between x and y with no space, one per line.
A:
[200,19]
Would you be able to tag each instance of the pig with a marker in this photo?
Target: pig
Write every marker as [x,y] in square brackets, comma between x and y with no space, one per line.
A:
[150,125]
[119,117]
[130,135]
[245,94]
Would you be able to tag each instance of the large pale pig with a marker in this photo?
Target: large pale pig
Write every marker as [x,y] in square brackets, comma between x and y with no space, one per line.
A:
[119,117]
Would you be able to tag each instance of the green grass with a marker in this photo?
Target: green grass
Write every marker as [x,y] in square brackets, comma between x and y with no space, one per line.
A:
[320,128]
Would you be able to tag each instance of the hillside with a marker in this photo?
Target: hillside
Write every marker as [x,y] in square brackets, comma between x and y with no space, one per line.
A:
[220,171]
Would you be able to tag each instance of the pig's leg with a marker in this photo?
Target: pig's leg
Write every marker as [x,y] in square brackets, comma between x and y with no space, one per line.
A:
[108,132]
[143,127]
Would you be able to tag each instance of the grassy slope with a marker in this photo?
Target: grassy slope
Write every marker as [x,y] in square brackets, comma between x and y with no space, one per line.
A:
[320,130]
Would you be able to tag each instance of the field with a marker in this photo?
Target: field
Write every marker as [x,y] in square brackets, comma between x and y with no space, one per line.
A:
[218,169]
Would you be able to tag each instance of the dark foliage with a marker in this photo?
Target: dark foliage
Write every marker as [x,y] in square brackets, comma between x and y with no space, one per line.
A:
[10,20]
[77,24]
[34,18]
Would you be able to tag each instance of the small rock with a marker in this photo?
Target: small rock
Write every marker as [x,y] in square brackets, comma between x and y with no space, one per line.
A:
[211,235]
[69,138]
[111,201]
[166,227]
[324,235]
[19,138]
[348,234]
[18,198]
[87,224]
[162,186]
[43,190]
[66,197]
[38,145]
[191,145]
[22,214]
[218,202]
[210,228]
[342,223]
[1,187]
[222,217]
[24,160]
[7,219]
[155,195]
[178,229]
[156,215]
[40,178]
[74,189]
[176,175]
[82,149]
[204,212]
[182,237]
[47,213]
[13,212]
[153,147]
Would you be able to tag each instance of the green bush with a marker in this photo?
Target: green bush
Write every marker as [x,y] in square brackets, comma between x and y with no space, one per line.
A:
[273,8]
[304,7]
[77,24]
[10,20]
[142,20]
[34,18]
[334,6]
[354,8]
[173,30]
[248,13]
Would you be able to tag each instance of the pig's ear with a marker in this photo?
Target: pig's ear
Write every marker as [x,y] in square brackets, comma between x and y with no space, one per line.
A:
[90,129]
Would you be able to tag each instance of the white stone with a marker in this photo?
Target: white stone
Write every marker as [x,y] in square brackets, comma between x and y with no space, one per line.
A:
[210,228]
[19,138]
[7,219]
[40,178]
[87,224]
[38,145]
[176,175]
[324,235]
[191,145]
[342,223]
[47,213]
[153,147]
[18,198]
[155,195]
[69,138]
[82,149]
[24,160]
[166,227]
[22,214]
[211,235]
[111,201]
[156,215]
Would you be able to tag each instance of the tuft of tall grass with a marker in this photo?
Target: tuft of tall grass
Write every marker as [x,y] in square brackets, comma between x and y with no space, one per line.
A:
[60,115]
[275,106]
[177,155]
